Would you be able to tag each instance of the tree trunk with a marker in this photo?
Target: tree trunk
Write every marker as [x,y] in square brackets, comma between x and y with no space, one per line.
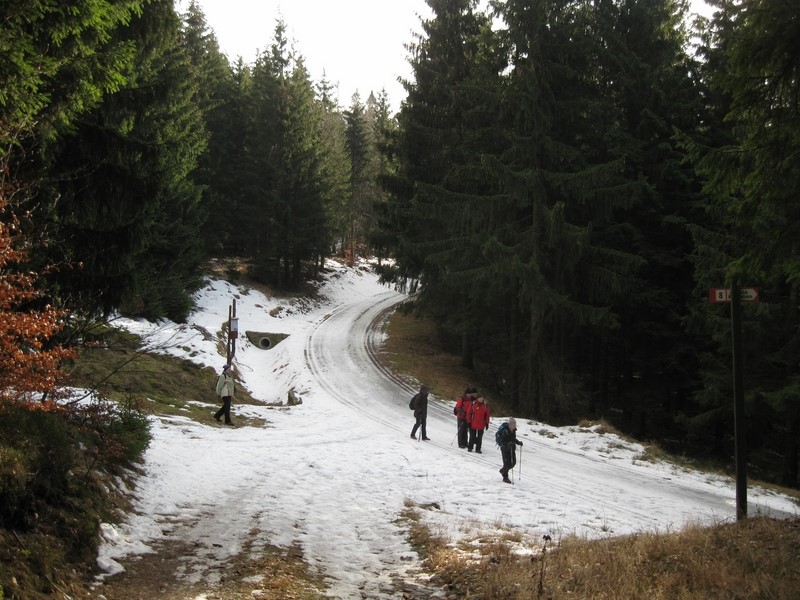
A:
[467,355]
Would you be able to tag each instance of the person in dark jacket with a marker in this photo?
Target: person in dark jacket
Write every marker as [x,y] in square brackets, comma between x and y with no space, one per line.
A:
[508,448]
[461,410]
[420,401]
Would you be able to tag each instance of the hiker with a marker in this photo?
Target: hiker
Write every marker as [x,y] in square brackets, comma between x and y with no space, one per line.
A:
[225,389]
[508,442]
[478,423]
[462,408]
[420,402]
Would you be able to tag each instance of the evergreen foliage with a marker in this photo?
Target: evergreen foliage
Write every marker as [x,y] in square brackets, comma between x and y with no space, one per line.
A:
[561,187]
[362,176]
[121,206]
[220,99]
[59,59]
[752,179]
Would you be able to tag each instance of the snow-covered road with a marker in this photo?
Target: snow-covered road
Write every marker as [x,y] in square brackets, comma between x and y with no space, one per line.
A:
[333,473]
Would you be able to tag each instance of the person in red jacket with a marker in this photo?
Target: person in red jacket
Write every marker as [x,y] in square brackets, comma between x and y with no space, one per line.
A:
[478,423]
[461,410]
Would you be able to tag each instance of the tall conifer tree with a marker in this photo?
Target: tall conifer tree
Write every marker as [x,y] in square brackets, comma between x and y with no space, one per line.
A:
[220,102]
[753,179]
[438,190]
[124,207]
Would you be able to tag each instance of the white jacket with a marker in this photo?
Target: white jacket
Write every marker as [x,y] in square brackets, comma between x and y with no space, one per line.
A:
[225,385]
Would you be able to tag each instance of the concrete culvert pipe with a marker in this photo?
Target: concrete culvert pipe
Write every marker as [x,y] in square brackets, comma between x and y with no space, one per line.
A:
[265,340]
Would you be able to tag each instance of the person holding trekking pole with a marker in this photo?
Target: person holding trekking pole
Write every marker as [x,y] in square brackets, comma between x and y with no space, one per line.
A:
[508,442]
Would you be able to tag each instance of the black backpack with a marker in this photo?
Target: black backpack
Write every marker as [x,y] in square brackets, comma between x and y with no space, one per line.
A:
[411,404]
[500,434]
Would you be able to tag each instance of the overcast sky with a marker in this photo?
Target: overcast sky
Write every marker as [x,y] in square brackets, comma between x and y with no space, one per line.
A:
[358,45]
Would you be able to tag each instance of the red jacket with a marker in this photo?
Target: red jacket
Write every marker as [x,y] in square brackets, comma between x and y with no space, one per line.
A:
[479,415]
[463,408]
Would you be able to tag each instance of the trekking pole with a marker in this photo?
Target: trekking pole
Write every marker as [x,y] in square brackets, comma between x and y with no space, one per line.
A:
[454,438]
[520,462]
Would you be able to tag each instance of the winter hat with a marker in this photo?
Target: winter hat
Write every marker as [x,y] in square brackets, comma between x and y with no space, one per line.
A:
[512,422]
[226,367]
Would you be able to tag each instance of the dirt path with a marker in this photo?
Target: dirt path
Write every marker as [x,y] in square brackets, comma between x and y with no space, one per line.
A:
[276,574]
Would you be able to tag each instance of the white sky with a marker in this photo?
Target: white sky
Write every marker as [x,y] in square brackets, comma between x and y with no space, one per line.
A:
[357,44]
[332,474]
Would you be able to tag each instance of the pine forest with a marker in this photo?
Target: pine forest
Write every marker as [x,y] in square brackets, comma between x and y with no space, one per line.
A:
[561,187]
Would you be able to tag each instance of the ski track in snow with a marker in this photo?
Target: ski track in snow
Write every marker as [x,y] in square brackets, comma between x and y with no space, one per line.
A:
[333,473]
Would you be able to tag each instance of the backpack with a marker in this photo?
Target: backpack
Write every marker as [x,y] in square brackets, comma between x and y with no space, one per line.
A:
[411,403]
[500,434]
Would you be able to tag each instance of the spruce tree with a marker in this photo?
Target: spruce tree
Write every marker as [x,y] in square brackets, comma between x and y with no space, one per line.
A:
[362,180]
[123,207]
[437,212]
[645,93]
[59,59]
[752,185]
[335,169]
[382,235]
[219,100]
[287,166]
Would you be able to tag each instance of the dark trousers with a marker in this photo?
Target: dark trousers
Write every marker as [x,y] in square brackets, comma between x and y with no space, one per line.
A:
[475,439]
[463,434]
[420,423]
[509,452]
[225,410]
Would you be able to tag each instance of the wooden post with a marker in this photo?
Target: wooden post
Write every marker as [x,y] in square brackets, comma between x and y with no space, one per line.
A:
[228,342]
[233,335]
[231,346]
[740,420]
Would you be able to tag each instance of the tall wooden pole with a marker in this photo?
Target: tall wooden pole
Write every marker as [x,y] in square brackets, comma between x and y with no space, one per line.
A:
[231,345]
[231,335]
[740,420]
[228,343]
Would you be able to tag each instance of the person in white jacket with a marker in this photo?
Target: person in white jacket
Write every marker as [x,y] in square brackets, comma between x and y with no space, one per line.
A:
[225,390]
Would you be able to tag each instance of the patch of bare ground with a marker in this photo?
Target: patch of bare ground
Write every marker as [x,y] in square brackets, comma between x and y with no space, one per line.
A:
[276,574]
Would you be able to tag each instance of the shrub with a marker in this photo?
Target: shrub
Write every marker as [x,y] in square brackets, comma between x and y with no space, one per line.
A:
[36,460]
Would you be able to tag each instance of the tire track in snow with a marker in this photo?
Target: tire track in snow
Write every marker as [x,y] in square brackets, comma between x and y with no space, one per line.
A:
[381,400]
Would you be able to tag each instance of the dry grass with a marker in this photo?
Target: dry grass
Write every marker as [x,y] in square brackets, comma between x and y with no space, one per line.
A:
[752,559]
[412,347]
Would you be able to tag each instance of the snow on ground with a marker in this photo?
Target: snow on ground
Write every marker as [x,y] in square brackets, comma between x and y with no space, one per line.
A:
[332,474]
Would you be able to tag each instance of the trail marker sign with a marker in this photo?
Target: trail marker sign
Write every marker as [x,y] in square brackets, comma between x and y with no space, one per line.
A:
[723,295]
[735,296]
